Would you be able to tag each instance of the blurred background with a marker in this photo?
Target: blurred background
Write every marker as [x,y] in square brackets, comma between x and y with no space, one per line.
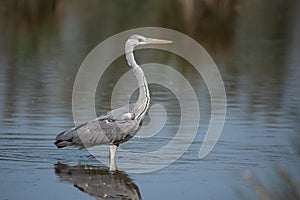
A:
[255,45]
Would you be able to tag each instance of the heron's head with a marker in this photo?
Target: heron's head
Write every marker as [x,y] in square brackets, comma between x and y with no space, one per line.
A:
[136,40]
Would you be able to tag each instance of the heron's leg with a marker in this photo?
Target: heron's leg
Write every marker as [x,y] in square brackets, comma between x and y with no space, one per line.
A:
[112,153]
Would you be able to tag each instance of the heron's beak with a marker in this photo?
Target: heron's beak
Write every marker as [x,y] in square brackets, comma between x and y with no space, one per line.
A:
[157,41]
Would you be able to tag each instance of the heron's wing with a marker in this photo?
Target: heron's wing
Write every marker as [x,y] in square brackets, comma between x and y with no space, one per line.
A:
[112,128]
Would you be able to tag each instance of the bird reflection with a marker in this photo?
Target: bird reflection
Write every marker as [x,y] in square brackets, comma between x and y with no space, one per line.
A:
[99,182]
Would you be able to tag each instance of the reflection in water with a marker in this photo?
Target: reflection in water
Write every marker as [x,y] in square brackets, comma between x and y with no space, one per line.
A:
[206,19]
[30,14]
[290,187]
[99,182]
[26,25]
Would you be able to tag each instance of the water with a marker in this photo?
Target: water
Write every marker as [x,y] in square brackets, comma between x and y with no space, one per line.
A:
[254,44]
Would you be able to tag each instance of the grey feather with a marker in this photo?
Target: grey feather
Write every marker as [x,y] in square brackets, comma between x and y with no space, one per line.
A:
[117,126]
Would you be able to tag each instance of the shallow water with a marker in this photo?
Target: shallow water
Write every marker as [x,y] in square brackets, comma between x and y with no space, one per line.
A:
[256,53]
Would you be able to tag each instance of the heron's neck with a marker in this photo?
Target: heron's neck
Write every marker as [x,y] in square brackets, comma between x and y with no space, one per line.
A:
[144,96]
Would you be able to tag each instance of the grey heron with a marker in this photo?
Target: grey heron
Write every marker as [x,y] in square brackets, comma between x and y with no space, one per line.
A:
[118,125]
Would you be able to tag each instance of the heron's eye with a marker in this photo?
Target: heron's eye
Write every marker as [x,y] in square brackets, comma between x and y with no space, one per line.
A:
[140,40]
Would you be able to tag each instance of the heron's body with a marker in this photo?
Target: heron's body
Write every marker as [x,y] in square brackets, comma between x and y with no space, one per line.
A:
[121,124]
[115,127]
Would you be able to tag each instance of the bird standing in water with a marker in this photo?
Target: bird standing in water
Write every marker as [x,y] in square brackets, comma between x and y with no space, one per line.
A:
[118,125]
